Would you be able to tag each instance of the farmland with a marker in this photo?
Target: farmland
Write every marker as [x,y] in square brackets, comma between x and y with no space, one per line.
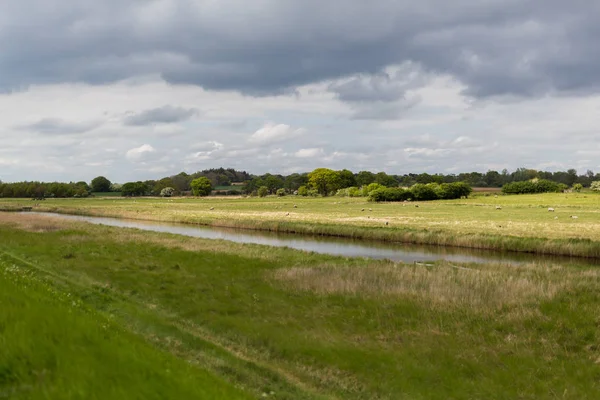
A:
[279,323]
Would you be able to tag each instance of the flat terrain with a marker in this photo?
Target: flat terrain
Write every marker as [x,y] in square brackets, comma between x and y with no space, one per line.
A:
[522,223]
[279,323]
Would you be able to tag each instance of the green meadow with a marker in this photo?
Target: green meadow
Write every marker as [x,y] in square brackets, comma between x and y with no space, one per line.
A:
[92,311]
[488,221]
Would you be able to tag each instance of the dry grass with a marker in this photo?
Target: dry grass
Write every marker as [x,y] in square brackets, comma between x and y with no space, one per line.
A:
[32,223]
[479,288]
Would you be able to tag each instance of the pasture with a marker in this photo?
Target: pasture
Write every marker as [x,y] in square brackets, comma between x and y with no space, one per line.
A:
[518,222]
[209,319]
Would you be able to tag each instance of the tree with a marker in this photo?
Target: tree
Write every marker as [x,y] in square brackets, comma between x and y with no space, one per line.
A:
[577,187]
[100,184]
[385,180]
[167,192]
[281,192]
[347,179]
[201,186]
[324,180]
[363,178]
[595,186]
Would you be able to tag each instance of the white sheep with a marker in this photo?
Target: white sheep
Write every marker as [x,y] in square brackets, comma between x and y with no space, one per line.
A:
[498,208]
[212,208]
[550,209]
[574,216]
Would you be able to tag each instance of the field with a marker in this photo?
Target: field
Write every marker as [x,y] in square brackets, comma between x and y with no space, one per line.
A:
[518,223]
[193,318]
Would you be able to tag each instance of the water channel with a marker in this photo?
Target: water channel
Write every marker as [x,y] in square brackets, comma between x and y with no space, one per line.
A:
[329,245]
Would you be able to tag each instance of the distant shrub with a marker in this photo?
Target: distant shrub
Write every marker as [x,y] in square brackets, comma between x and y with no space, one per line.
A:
[425,191]
[263,191]
[390,194]
[370,187]
[422,192]
[595,186]
[281,192]
[167,192]
[302,191]
[577,187]
[528,187]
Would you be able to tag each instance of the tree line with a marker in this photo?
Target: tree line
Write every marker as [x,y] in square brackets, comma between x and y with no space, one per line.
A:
[325,182]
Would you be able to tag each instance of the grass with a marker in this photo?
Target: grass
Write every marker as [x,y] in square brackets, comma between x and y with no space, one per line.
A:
[293,325]
[522,224]
[52,346]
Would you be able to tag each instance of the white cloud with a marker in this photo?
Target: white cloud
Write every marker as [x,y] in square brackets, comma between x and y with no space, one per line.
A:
[272,133]
[138,154]
[309,153]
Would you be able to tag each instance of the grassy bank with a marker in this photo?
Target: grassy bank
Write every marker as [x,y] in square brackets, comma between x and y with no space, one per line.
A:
[515,223]
[293,325]
[54,346]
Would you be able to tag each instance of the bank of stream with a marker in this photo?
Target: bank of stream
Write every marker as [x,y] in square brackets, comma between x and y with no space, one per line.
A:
[346,247]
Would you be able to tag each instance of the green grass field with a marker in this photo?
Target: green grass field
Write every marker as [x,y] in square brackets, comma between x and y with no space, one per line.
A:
[522,223]
[278,323]
[53,345]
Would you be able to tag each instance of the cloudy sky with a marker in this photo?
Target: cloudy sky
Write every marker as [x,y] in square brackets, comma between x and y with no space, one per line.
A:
[139,89]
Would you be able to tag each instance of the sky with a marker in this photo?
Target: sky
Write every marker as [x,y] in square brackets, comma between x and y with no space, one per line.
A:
[142,89]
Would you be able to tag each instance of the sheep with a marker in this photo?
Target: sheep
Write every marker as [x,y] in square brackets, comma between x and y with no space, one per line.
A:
[574,216]
[287,214]
[362,209]
[370,209]
[295,206]
[498,208]
[387,223]
[416,205]
[550,209]
[212,208]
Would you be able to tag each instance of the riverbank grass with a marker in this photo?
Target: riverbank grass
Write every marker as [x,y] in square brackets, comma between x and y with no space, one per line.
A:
[297,325]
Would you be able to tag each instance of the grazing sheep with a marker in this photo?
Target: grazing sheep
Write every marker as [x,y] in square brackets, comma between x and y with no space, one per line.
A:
[212,208]
[496,196]
[550,209]
[387,223]
[295,206]
[370,209]
[362,209]
[287,214]
[555,217]
[574,216]
[498,208]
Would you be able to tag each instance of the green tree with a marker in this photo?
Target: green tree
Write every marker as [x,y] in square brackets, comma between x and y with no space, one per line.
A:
[201,186]
[385,180]
[324,180]
[100,184]
[347,179]
[577,187]
[363,178]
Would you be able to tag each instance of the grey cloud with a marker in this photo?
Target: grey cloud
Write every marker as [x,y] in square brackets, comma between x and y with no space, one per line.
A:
[495,47]
[161,115]
[57,126]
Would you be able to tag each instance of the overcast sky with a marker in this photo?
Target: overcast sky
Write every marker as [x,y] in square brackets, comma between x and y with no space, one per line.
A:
[140,89]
